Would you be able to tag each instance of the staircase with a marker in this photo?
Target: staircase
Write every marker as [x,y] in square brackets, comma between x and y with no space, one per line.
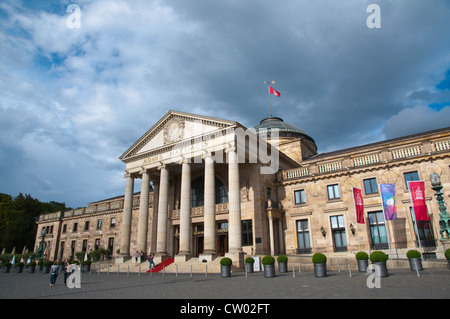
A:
[162,265]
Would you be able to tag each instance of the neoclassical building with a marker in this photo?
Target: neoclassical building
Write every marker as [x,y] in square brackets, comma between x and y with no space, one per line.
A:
[212,187]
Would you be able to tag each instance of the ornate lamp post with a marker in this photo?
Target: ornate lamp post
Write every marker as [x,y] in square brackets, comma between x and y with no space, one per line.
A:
[40,252]
[444,218]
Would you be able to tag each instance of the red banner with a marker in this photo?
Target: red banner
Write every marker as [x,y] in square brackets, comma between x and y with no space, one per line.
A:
[417,192]
[359,205]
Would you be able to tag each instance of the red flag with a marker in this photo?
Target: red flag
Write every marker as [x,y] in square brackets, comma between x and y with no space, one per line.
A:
[417,192]
[273,91]
[359,205]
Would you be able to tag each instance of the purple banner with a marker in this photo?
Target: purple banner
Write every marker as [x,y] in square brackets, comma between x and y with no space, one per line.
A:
[388,198]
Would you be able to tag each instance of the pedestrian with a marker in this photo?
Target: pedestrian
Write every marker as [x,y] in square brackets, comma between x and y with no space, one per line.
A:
[136,258]
[66,273]
[54,271]
[150,261]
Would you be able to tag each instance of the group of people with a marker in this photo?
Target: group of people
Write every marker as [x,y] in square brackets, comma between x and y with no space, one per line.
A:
[140,257]
[55,271]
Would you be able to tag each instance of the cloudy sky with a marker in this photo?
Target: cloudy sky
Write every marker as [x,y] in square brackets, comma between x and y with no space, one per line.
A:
[74,99]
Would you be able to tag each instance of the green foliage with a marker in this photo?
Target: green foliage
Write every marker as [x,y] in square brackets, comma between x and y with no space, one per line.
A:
[413,254]
[362,255]
[447,254]
[19,264]
[282,259]
[226,261]
[87,262]
[319,258]
[99,253]
[249,260]
[268,260]
[378,257]
[18,219]
[48,263]
[32,263]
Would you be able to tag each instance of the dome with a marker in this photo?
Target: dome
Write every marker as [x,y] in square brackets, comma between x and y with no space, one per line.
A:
[285,130]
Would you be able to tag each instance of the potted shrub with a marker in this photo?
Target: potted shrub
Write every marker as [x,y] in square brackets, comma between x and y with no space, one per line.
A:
[6,267]
[225,267]
[249,261]
[40,265]
[87,265]
[32,267]
[379,258]
[269,266]
[363,261]
[19,267]
[282,263]
[47,265]
[447,256]
[320,265]
[415,260]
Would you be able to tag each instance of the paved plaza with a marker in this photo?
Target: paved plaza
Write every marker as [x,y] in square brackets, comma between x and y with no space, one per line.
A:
[401,283]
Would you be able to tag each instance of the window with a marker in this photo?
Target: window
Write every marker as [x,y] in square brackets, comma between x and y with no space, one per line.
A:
[99,224]
[303,241]
[299,197]
[370,186]
[247,233]
[198,192]
[425,231]
[86,225]
[333,191]
[75,227]
[339,236]
[113,222]
[84,248]
[269,193]
[64,228]
[378,231]
[411,176]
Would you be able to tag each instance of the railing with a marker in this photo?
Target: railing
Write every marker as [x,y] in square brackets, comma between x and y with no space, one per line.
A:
[200,211]
[296,172]
[406,152]
[442,145]
[366,160]
[328,167]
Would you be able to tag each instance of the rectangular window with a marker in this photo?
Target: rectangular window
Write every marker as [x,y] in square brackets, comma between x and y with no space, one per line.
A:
[299,197]
[113,222]
[303,240]
[84,248]
[425,231]
[64,229]
[247,233]
[370,186]
[75,227]
[378,231]
[86,225]
[333,191]
[411,176]
[339,236]
[99,224]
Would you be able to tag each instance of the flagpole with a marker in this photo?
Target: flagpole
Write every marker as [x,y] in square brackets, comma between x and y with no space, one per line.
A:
[385,222]
[356,219]
[413,216]
[268,90]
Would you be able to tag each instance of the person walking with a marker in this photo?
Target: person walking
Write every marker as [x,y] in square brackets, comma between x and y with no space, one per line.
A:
[66,273]
[136,258]
[150,261]
[54,272]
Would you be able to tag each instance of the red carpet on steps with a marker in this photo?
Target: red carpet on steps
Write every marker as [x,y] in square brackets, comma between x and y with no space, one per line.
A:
[160,266]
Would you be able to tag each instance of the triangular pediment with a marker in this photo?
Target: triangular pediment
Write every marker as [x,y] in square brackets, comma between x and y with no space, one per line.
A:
[173,128]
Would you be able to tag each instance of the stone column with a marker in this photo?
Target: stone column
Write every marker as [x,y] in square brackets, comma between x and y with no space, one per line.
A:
[143,213]
[209,251]
[161,240]
[234,210]
[126,217]
[272,239]
[185,213]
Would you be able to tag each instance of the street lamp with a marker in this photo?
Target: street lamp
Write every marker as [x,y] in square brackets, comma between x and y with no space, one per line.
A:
[444,218]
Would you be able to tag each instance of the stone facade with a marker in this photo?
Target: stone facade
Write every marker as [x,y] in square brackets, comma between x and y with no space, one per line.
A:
[207,192]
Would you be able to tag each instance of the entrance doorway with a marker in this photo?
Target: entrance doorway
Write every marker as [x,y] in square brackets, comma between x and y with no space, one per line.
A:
[222,244]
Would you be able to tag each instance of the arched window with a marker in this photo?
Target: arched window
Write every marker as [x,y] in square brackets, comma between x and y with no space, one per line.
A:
[198,192]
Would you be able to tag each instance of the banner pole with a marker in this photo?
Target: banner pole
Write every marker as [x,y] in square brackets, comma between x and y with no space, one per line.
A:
[413,215]
[385,220]
[356,219]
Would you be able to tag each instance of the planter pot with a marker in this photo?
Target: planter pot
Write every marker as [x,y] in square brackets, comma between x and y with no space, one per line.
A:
[31,269]
[269,271]
[320,270]
[448,260]
[46,269]
[383,272]
[39,268]
[19,269]
[415,264]
[87,268]
[6,269]
[362,265]
[249,267]
[225,271]
[282,267]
